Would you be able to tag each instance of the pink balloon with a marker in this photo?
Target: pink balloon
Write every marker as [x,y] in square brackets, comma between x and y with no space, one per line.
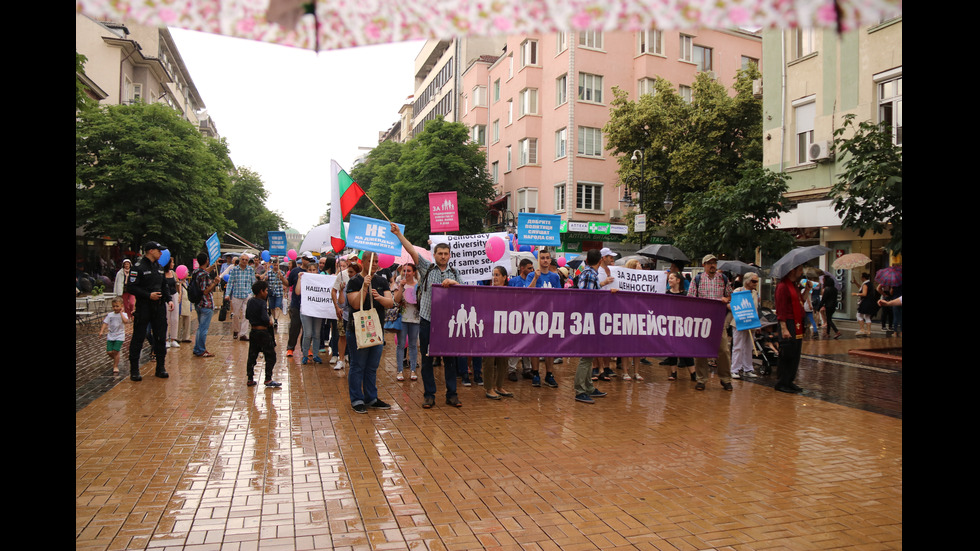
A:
[181,271]
[291,254]
[385,260]
[561,262]
[495,248]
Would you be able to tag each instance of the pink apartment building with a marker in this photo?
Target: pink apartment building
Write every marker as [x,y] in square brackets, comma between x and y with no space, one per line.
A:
[539,109]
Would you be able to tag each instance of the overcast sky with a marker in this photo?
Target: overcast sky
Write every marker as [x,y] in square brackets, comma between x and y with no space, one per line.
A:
[286,112]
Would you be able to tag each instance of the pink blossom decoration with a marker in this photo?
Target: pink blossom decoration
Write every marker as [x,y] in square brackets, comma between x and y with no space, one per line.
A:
[501,23]
[738,15]
[827,14]
[581,20]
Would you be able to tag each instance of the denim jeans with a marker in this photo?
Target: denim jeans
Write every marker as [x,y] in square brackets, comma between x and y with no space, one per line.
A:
[362,377]
[203,323]
[409,333]
[311,333]
[428,376]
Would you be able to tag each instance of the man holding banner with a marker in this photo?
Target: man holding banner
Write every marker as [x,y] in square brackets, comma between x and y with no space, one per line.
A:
[431,275]
[543,277]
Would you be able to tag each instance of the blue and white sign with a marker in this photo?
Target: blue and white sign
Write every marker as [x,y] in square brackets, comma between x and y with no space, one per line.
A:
[539,229]
[370,234]
[744,311]
[213,245]
[277,243]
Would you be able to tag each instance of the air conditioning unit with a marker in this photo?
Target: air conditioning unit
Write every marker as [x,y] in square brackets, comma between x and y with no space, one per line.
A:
[757,87]
[820,151]
[615,213]
[712,75]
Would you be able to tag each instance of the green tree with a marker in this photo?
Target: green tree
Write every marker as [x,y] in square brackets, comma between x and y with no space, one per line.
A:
[687,146]
[251,217]
[143,173]
[441,158]
[868,194]
[82,99]
[376,176]
[733,220]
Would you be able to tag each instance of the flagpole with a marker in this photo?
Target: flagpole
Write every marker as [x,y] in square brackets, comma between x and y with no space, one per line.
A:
[377,207]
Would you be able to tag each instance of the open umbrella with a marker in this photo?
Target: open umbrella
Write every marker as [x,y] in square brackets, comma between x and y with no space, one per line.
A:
[890,276]
[669,253]
[317,239]
[850,261]
[643,260]
[405,258]
[794,258]
[737,267]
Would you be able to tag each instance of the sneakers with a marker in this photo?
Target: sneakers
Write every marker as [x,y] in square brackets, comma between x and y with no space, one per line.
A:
[596,393]
[549,380]
[289,353]
[726,386]
[305,360]
[338,366]
[360,408]
[747,375]
[273,384]
[333,359]
[512,377]
[526,374]
[736,375]
[466,380]
[454,401]
[317,360]
[250,383]
[478,381]
[428,402]
[584,398]
[378,404]
[559,360]
[536,380]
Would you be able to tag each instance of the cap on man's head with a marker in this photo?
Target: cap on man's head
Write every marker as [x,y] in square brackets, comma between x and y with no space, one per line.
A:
[709,258]
[606,251]
[153,245]
[307,255]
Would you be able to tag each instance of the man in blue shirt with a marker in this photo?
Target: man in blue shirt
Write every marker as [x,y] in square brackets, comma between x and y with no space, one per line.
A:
[543,277]
[524,267]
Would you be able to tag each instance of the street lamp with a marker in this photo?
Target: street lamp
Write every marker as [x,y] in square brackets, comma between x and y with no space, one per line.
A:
[501,219]
[636,183]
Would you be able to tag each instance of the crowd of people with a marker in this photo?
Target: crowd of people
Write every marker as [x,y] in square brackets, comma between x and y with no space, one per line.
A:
[159,303]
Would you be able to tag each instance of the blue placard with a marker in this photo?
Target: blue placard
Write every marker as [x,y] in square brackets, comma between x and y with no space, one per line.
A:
[744,311]
[538,229]
[277,243]
[213,245]
[369,234]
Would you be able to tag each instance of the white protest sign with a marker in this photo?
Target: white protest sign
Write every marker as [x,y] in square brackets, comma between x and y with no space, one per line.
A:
[469,255]
[315,296]
[640,281]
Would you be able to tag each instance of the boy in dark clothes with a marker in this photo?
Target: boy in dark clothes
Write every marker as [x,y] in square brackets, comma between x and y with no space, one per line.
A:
[260,338]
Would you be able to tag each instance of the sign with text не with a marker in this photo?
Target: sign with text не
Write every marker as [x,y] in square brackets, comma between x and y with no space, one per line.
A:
[474,320]
[443,212]
[370,234]
[539,229]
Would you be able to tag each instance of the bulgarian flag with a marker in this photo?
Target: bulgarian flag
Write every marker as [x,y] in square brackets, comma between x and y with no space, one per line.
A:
[344,193]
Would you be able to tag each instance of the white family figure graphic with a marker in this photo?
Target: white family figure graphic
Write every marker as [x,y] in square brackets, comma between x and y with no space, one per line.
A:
[460,321]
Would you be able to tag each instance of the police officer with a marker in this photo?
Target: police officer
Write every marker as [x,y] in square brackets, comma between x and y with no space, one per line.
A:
[147,284]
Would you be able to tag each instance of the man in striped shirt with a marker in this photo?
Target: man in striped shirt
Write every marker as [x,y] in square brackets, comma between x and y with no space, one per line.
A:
[240,280]
[714,285]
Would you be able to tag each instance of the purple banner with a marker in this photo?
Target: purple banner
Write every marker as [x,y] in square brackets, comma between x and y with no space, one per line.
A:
[511,321]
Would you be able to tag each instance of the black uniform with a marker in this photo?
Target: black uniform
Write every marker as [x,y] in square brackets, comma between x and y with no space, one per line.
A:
[147,277]
[260,340]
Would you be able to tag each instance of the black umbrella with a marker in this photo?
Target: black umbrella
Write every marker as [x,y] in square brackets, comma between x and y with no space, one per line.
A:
[737,267]
[796,257]
[664,252]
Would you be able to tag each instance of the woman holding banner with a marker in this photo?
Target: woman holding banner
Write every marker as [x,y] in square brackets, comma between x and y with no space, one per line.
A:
[362,378]
[311,325]
[675,286]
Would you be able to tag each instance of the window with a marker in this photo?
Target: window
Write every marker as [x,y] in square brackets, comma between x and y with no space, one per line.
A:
[527,200]
[479,96]
[804,112]
[510,111]
[588,196]
[496,131]
[479,134]
[508,158]
[527,152]
[890,105]
[529,53]
[510,67]
[646,86]
[561,143]
[650,42]
[702,58]
[685,93]
[495,172]
[496,90]
[561,42]
[803,42]
[560,197]
[561,90]
[589,141]
[687,48]
[529,102]
[748,62]
[590,39]
[590,88]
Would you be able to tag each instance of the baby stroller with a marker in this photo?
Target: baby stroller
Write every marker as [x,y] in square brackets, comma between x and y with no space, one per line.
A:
[766,341]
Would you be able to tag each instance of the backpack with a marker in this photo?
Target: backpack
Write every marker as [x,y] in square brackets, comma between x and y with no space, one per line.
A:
[194,293]
[697,282]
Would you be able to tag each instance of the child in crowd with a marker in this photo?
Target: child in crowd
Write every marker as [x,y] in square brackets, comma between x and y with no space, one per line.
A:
[113,323]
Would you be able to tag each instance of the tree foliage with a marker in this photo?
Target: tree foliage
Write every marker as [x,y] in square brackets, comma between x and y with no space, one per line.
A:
[868,193]
[733,220]
[376,177]
[82,99]
[144,173]
[248,212]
